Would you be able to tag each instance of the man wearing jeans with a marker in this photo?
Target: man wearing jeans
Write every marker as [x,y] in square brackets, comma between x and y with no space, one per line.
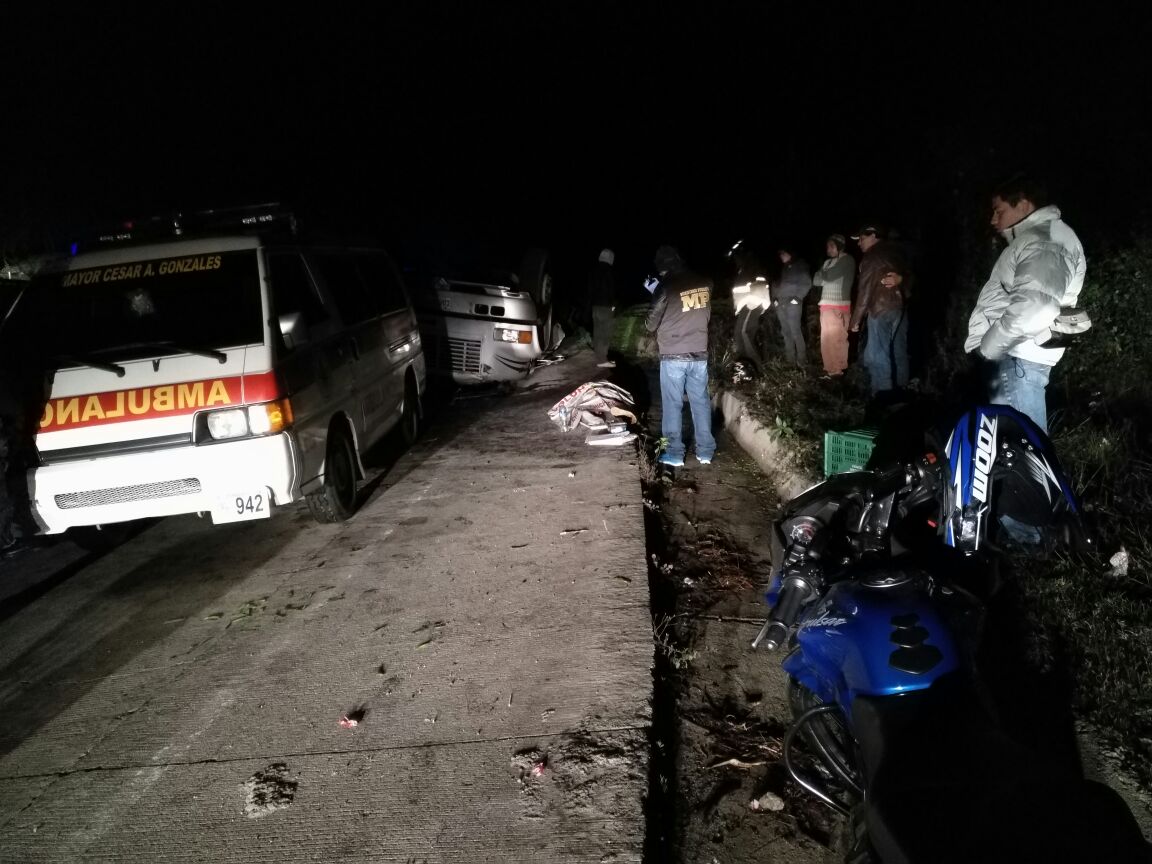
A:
[883,282]
[1041,270]
[679,317]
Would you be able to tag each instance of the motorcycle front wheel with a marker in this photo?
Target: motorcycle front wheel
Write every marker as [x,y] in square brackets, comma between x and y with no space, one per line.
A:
[828,736]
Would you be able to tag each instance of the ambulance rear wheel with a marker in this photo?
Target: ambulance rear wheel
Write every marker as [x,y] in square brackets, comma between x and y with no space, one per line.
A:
[336,500]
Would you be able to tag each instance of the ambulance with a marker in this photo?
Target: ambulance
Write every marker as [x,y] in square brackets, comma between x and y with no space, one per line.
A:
[221,367]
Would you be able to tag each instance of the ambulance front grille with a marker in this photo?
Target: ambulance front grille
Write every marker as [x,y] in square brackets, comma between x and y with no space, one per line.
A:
[124,494]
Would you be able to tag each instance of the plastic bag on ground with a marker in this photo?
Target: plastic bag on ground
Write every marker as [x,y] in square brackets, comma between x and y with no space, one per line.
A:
[594,405]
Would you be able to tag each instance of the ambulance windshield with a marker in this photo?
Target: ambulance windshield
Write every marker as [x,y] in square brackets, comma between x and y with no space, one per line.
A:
[193,304]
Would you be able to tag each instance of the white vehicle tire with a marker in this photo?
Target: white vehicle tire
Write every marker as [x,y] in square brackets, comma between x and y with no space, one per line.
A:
[336,500]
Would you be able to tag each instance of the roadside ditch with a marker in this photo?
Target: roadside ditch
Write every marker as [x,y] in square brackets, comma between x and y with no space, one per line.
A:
[718,791]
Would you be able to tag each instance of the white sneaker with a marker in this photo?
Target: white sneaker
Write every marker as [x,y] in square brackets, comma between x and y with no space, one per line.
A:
[607,364]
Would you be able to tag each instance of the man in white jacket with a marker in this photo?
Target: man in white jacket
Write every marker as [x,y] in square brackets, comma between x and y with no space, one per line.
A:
[1041,270]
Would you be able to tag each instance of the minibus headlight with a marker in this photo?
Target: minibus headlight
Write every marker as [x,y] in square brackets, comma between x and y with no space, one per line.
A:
[523,337]
[231,423]
[270,417]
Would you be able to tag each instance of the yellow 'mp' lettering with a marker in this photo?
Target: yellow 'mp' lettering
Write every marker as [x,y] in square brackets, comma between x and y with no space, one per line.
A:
[695,298]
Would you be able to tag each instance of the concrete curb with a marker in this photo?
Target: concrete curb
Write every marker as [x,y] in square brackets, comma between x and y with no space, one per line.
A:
[771,452]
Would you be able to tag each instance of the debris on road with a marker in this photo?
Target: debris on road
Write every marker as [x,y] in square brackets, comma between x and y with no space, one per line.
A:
[571,532]
[610,439]
[738,763]
[268,790]
[1119,564]
[528,763]
[600,407]
[354,717]
[768,801]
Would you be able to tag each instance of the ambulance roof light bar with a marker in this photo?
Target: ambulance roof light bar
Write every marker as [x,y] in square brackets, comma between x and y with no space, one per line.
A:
[259,218]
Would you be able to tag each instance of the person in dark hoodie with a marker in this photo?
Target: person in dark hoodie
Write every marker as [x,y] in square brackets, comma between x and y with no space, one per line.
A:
[681,310]
[602,298]
[788,298]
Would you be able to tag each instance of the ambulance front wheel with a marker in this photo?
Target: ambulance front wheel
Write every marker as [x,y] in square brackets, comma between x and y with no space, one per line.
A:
[101,538]
[336,500]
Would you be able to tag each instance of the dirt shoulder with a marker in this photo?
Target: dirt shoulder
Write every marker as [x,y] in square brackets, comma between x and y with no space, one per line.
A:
[708,570]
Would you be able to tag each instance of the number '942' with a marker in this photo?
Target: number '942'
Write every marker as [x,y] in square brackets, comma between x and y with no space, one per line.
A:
[251,504]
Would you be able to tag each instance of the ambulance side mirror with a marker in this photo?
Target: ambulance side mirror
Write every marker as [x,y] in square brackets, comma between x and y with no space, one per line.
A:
[294,330]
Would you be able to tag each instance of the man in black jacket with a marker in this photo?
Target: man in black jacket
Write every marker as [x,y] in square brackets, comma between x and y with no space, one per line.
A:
[679,317]
[788,298]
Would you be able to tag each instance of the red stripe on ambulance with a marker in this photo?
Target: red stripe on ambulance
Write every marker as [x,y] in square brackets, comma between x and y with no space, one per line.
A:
[165,400]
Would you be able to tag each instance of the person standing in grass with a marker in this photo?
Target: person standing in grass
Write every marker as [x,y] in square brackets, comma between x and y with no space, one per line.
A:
[681,310]
[788,298]
[1041,270]
[884,275]
[835,280]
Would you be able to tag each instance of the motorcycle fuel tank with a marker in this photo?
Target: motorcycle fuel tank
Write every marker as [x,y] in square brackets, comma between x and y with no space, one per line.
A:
[876,637]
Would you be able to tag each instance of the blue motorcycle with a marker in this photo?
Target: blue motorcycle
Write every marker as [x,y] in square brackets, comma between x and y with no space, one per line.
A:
[880,579]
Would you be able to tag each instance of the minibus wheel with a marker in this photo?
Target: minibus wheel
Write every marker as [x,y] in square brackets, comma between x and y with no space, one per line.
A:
[336,500]
[536,279]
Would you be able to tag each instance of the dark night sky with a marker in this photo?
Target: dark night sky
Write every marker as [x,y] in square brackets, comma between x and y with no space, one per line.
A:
[575,124]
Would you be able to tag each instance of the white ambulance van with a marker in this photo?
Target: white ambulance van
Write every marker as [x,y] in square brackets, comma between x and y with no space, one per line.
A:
[226,369]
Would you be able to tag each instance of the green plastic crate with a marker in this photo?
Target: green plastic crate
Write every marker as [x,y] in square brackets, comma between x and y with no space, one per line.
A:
[847,451]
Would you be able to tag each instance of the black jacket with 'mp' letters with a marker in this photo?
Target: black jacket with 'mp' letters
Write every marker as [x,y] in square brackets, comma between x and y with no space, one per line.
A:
[680,313]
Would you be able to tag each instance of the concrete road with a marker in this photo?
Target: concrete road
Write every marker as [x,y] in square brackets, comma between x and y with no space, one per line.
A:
[484,616]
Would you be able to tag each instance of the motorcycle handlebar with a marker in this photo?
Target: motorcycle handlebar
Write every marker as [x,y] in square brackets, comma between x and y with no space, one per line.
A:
[775,629]
[892,481]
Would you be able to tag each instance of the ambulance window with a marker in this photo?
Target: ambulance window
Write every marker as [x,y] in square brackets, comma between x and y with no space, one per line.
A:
[293,290]
[342,278]
[383,281]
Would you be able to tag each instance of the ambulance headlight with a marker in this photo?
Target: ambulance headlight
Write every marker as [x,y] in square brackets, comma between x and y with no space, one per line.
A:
[232,423]
[270,417]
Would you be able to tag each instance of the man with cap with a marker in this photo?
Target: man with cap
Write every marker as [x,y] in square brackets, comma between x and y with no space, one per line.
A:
[883,285]
[681,310]
[835,279]
[602,297]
